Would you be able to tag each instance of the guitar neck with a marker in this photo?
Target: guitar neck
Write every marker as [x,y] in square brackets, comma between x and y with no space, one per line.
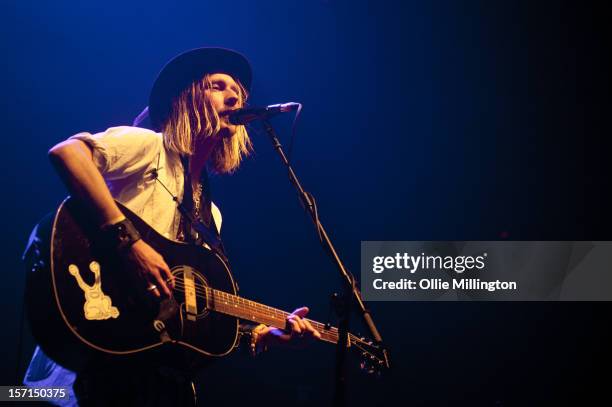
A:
[239,307]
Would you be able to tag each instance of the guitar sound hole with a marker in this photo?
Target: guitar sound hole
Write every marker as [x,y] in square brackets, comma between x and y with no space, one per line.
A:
[186,279]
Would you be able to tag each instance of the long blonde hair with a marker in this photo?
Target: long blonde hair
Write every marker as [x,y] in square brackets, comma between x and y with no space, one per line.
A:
[192,116]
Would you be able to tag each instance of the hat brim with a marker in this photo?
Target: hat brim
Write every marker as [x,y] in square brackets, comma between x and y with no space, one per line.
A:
[191,66]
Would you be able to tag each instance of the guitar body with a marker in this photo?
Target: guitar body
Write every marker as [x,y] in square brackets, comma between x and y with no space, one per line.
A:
[82,303]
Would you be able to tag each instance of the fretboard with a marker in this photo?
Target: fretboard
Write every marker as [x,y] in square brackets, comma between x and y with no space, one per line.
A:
[239,307]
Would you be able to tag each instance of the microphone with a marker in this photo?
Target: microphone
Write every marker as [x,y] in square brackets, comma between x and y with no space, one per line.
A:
[248,114]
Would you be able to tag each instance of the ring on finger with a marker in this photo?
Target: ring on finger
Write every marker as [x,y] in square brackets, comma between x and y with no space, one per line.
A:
[151,287]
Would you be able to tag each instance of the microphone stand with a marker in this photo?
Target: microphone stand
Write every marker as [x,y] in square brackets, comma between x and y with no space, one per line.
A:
[352,295]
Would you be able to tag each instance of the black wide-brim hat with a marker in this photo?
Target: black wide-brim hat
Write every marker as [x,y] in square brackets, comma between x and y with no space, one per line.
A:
[190,66]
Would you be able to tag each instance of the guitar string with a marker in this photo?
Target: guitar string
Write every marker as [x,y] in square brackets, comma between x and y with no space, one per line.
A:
[254,306]
[258,308]
[204,291]
[250,305]
[330,334]
[326,334]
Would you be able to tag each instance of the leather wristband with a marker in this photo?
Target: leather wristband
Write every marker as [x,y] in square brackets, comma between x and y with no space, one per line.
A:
[122,235]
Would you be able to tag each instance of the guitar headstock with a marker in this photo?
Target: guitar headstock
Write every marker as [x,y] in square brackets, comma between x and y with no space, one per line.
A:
[374,357]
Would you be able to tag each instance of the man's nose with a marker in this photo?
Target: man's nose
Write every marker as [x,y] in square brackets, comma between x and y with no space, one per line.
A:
[231,101]
[231,98]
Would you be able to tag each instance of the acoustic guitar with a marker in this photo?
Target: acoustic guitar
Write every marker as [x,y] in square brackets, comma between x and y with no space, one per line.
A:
[82,303]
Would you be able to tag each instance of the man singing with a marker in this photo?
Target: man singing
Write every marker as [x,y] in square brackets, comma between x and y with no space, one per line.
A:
[189,108]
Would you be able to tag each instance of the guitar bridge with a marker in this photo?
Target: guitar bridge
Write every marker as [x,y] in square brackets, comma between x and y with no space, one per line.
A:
[191,301]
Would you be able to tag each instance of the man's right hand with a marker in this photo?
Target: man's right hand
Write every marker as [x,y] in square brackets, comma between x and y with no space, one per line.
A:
[73,160]
[150,268]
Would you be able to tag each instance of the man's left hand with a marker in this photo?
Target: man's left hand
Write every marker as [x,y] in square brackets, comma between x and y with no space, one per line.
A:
[298,333]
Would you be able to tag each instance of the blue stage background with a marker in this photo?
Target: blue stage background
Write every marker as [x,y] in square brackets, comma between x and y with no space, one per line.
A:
[422,121]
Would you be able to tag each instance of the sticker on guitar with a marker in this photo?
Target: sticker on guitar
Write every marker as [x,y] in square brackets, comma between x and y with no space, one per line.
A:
[98,306]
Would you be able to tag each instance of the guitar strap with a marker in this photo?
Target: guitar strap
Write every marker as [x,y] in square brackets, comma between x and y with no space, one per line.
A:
[202,229]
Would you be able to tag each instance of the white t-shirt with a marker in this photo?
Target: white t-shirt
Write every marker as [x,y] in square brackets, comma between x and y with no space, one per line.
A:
[127,157]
